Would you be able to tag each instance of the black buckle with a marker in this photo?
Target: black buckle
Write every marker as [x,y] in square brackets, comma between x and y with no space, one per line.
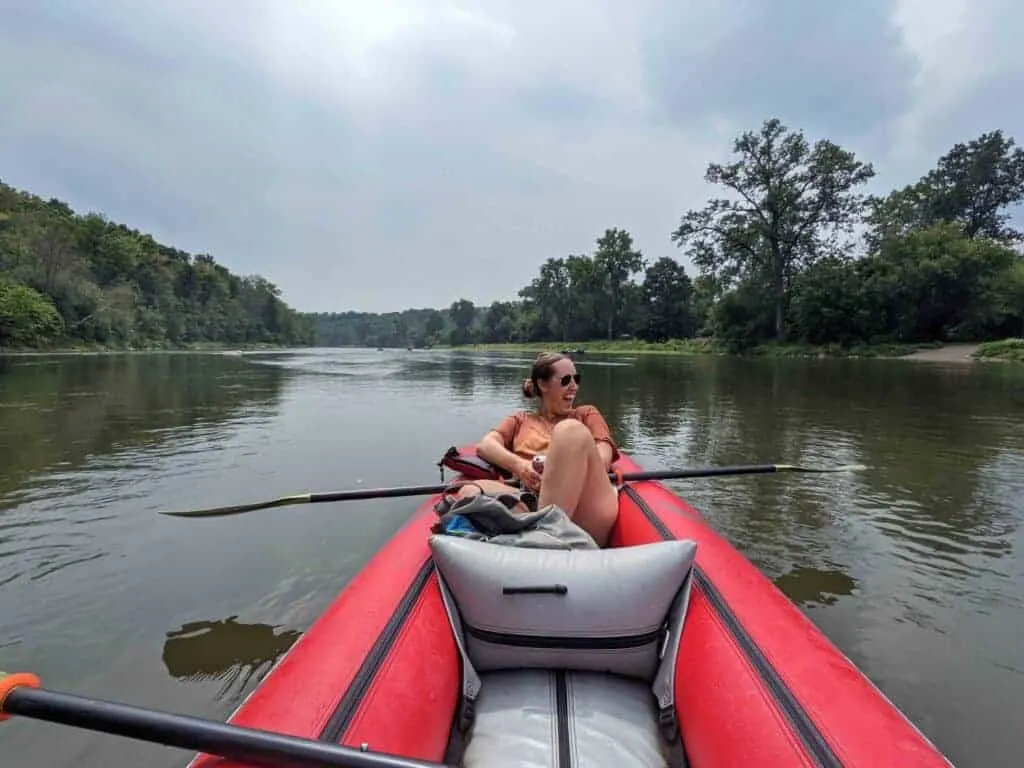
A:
[668,723]
[467,714]
[449,454]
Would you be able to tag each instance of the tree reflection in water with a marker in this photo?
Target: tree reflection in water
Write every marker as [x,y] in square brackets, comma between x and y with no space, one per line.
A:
[225,650]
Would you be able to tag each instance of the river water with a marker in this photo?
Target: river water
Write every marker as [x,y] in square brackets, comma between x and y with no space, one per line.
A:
[913,568]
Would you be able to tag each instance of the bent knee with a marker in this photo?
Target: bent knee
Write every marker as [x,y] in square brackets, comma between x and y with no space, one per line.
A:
[573,431]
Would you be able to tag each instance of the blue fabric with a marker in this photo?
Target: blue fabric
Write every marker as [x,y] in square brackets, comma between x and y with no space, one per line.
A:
[459,524]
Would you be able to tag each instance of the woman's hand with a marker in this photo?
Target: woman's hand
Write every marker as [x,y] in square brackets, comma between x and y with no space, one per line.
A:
[527,474]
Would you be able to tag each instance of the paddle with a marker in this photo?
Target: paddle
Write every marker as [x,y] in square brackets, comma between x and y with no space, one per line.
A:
[429,490]
[21,695]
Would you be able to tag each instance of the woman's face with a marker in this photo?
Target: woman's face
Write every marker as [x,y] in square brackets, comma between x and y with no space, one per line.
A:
[559,390]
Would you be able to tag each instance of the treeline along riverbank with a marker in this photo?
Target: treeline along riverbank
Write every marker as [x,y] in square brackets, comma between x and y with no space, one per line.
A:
[792,252]
[78,280]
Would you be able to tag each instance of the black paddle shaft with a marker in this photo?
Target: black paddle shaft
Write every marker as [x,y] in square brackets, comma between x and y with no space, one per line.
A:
[426,490]
[246,745]
[665,474]
[378,493]
[682,474]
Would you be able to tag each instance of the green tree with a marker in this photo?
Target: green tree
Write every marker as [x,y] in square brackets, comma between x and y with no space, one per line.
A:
[463,314]
[744,316]
[617,262]
[939,282]
[792,203]
[549,295]
[586,297]
[667,295]
[433,325]
[500,322]
[27,317]
[1008,304]
[927,285]
[829,303]
[706,292]
[114,285]
[972,186]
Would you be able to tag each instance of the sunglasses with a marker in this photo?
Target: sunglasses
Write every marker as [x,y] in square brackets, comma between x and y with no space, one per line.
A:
[564,381]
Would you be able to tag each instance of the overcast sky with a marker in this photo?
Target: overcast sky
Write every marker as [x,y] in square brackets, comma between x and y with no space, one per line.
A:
[376,155]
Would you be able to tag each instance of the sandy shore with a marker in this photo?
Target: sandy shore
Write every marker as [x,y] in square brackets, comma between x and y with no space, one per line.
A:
[951,353]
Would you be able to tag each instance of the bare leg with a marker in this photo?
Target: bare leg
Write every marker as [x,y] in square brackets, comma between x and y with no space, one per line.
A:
[575,479]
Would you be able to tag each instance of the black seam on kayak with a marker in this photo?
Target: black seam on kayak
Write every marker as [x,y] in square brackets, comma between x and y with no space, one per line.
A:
[569,642]
[811,737]
[353,697]
[562,720]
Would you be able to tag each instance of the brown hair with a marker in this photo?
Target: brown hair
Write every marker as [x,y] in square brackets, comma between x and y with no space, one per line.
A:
[543,367]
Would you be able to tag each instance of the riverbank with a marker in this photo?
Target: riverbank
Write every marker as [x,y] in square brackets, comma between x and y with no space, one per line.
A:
[1007,351]
[115,349]
[950,353]
[709,347]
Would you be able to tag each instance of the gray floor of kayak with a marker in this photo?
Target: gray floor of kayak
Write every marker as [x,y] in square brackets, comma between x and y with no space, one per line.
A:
[612,722]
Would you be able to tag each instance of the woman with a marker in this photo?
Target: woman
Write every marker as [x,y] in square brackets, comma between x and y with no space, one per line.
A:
[575,443]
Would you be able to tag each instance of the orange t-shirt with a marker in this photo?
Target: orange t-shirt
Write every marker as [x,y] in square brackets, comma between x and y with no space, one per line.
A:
[527,434]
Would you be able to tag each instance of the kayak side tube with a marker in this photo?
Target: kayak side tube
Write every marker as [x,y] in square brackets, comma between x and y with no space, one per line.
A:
[755,677]
[378,670]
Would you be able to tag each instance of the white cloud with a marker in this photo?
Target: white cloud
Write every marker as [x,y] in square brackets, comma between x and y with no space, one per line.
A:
[960,48]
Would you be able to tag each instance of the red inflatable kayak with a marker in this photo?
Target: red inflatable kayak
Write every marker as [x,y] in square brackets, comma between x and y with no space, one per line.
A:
[668,648]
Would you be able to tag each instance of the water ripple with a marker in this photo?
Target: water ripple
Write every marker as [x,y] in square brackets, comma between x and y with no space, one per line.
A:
[913,567]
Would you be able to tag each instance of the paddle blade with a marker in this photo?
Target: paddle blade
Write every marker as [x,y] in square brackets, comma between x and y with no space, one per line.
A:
[841,468]
[301,498]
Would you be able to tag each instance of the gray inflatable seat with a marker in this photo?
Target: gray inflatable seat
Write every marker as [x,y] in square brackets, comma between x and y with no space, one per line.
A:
[563,649]
[609,721]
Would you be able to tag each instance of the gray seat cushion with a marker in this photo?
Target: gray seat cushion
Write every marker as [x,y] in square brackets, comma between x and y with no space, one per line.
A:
[587,610]
[609,722]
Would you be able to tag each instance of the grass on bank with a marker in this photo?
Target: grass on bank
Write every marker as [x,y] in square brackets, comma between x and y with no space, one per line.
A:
[1008,350]
[672,346]
[94,348]
[707,347]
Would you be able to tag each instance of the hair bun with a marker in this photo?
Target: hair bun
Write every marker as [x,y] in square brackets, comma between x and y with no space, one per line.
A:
[528,388]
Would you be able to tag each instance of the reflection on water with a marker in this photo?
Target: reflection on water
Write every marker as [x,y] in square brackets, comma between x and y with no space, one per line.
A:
[912,567]
[80,434]
[225,650]
[93,412]
[814,586]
